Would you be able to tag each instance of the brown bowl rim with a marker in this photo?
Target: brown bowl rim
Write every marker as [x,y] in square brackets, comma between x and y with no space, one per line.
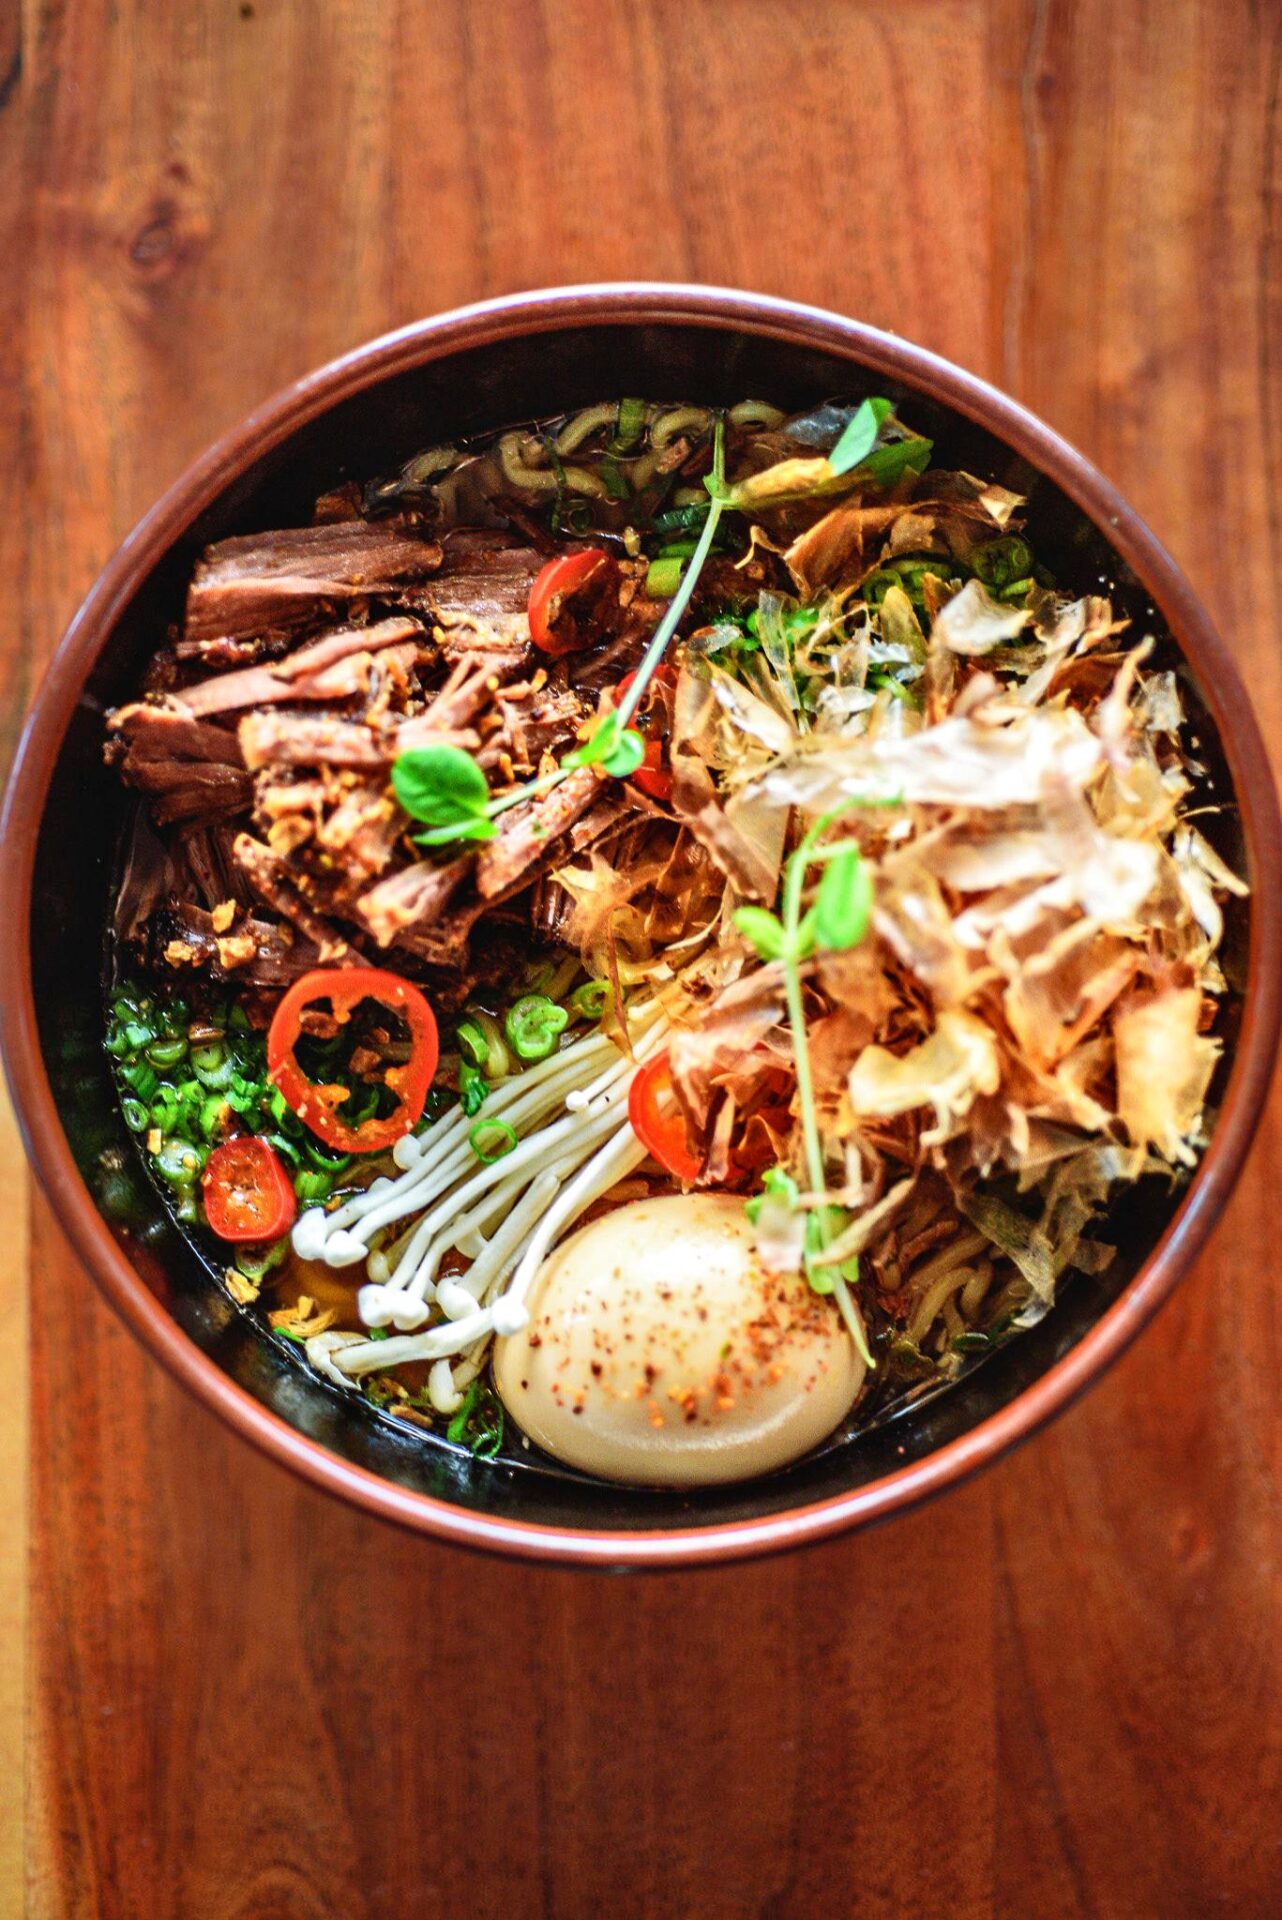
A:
[485,323]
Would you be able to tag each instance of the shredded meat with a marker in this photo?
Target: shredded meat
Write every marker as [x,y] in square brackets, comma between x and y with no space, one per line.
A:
[283,580]
[332,668]
[308,661]
[183,936]
[192,789]
[319,740]
[275,886]
[519,848]
[487,575]
[158,730]
[413,899]
[540,722]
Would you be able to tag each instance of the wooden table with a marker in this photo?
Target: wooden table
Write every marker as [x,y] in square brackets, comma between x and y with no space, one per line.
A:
[1057,1693]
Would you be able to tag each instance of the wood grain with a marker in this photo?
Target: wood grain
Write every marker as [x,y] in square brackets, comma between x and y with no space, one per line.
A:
[1058,1693]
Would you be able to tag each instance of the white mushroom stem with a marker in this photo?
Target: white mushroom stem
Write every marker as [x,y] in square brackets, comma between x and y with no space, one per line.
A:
[606,1168]
[492,1193]
[432,1162]
[441,1390]
[620,1154]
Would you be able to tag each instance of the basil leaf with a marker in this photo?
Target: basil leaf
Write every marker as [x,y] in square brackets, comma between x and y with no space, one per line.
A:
[843,902]
[762,930]
[440,785]
[860,436]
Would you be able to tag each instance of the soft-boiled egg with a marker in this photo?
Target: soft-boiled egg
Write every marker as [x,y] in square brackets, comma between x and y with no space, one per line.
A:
[659,1351]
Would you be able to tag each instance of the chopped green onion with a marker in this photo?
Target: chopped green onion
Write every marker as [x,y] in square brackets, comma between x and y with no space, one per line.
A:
[167,1053]
[283,1114]
[663,578]
[491,1139]
[136,1116]
[180,1163]
[257,1262]
[590,1001]
[615,484]
[472,1043]
[498,1063]
[212,1112]
[630,425]
[311,1186]
[333,1164]
[478,1422]
[1000,563]
[165,1109]
[289,1150]
[677,519]
[533,1026]
[472,1086]
[213,1066]
[140,1079]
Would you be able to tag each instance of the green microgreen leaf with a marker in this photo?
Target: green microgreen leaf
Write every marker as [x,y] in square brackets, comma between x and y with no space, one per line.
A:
[599,745]
[626,755]
[762,929]
[777,1184]
[860,435]
[890,463]
[843,902]
[441,786]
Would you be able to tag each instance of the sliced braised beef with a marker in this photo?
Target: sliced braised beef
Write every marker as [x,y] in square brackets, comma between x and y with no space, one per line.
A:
[205,854]
[272,881]
[335,667]
[543,720]
[262,581]
[191,789]
[412,900]
[488,575]
[517,851]
[320,740]
[162,730]
[252,952]
[308,662]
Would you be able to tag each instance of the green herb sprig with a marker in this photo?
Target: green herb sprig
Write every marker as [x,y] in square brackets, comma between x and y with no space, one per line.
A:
[837,920]
[444,789]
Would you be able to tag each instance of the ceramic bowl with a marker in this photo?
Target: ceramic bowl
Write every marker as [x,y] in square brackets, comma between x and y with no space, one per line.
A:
[466,372]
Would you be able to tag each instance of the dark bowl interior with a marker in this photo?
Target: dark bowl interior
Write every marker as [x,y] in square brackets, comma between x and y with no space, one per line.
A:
[373,431]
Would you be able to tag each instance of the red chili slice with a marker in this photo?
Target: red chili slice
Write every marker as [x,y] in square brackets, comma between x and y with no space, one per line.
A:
[658,1121]
[552,586]
[248,1195]
[652,776]
[319,1107]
